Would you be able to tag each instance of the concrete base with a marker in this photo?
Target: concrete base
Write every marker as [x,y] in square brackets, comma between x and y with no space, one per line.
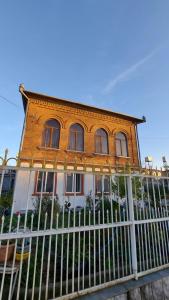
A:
[154,286]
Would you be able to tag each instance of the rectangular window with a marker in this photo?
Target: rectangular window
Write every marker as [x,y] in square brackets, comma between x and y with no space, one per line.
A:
[98,184]
[74,182]
[101,185]
[106,184]
[45,182]
[69,183]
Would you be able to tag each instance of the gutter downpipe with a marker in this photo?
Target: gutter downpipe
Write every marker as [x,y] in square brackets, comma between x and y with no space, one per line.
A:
[21,90]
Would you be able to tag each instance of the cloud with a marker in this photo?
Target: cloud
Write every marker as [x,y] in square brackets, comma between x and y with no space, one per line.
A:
[125,75]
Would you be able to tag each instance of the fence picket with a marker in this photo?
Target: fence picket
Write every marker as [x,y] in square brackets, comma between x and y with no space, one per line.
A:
[116,235]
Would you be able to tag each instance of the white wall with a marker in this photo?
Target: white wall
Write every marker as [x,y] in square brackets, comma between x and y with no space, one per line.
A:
[24,190]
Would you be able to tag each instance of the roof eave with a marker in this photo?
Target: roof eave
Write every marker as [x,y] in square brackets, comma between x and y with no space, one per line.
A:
[121,115]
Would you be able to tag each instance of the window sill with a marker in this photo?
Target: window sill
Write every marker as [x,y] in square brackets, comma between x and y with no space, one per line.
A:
[75,151]
[48,148]
[120,156]
[100,194]
[102,154]
[72,194]
[43,194]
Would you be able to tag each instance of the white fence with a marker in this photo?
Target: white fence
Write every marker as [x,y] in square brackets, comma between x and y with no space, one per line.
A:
[58,252]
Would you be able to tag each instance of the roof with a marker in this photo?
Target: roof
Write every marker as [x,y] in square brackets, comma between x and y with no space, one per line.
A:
[30,94]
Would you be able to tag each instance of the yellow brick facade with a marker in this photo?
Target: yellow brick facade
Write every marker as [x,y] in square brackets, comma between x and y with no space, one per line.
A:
[40,108]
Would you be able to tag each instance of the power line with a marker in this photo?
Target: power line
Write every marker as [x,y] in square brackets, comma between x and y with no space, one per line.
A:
[10,102]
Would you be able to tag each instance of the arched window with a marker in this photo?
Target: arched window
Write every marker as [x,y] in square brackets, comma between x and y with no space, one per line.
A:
[101,141]
[76,138]
[51,134]
[121,144]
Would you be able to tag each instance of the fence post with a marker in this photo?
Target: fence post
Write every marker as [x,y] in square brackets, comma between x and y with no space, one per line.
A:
[4,161]
[2,180]
[132,226]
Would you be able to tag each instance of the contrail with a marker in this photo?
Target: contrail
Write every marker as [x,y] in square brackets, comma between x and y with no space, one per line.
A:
[125,74]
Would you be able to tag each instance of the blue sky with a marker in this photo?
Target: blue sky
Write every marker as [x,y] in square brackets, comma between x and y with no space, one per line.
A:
[109,53]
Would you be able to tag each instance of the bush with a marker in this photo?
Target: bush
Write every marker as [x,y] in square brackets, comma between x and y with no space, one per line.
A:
[46,205]
[6,200]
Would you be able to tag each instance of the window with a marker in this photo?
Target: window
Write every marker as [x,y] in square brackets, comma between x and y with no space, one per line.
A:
[45,182]
[99,185]
[121,144]
[51,134]
[76,138]
[70,184]
[101,141]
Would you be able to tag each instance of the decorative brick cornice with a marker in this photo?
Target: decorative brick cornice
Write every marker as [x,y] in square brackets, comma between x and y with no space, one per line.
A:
[78,111]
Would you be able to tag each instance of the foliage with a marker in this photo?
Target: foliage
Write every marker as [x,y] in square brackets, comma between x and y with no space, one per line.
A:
[137,187]
[5,206]
[155,191]
[47,209]
[106,204]
[6,200]
[89,200]
[45,205]
[119,187]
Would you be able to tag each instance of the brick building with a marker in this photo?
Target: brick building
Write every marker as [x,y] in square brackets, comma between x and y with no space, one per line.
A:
[59,132]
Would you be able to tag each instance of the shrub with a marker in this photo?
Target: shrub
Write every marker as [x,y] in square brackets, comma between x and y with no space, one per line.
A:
[46,205]
[6,200]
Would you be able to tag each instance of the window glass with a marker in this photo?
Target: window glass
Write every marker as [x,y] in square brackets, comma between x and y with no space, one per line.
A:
[47,185]
[121,145]
[46,137]
[98,144]
[121,136]
[106,184]
[70,185]
[101,141]
[72,141]
[124,148]
[51,134]
[76,138]
[55,138]
[78,183]
[79,142]
[53,123]
[39,182]
[49,182]
[104,145]
[118,148]
[98,184]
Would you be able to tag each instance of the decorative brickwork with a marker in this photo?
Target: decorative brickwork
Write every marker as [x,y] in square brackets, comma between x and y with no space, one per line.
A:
[39,110]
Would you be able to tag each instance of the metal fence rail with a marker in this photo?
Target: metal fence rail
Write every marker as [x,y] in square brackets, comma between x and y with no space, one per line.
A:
[53,251]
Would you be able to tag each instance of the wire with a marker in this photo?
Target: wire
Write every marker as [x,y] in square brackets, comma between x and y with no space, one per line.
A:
[10,102]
